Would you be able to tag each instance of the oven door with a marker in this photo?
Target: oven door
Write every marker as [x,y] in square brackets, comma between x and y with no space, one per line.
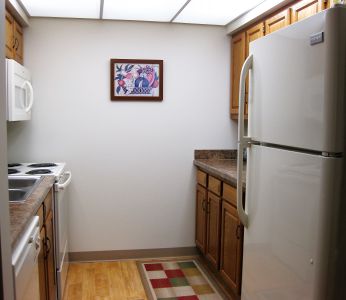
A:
[61,230]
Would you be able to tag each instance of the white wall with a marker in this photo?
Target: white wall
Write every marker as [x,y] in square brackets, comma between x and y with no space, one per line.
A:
[133,177]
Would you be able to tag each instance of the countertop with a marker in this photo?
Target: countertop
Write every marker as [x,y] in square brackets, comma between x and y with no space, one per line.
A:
[221,164]
[21,213]
[224,169]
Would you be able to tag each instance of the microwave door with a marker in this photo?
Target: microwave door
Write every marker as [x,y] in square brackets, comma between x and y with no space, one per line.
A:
[20,95]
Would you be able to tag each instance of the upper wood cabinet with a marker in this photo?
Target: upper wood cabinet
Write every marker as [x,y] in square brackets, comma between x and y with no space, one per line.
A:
[14,39]
[278,21]
[241,41]
[9,41]
[306,8]
[238,45]
[18,43]
[252,34]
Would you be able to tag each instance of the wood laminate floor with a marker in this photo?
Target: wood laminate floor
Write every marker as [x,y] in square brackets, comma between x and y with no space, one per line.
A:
[114,280]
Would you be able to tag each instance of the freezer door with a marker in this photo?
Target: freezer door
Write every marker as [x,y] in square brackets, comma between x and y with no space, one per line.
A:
[292,203]
[297,84]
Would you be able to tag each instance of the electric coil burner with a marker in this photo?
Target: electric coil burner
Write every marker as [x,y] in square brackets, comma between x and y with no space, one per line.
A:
[46,168]
[13,165]
[12,171]
[42,165]
[39,172]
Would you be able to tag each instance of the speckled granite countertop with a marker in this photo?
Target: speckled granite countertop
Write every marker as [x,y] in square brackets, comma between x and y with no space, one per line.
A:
[21,213]
[219,163]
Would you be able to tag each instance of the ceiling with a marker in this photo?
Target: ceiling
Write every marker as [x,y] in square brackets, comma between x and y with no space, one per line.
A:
[211,12]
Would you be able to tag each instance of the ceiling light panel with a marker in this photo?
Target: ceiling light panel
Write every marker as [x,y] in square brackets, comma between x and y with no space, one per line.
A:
[89,9]
[142,10]
[214,12]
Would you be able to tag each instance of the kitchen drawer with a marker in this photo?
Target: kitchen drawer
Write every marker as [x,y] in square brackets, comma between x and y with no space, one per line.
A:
[229,193]
[40,215]
[202,178]
[48,204]
[214,185]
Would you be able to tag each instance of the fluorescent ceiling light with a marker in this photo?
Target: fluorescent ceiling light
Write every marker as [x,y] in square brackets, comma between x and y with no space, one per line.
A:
[215,12]
[142,10]
[63,8]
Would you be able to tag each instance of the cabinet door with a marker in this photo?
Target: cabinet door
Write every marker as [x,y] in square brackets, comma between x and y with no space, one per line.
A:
[231,247]
[42,266]
[252,34]
[306,8]
[9,43]
[213,229]
[327,4]
[51,278]
[18,42]
[237,60]
[278,21]
[201,203]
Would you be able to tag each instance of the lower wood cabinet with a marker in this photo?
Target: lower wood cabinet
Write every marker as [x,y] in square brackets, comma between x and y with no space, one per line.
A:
[231,247]
[213,229]
[201,221]
[51,278]
[46,259]
[219,233]
[42,265]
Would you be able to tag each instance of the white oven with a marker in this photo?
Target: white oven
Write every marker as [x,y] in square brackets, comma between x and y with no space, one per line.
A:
[62,181]
[19,91]
[61,230]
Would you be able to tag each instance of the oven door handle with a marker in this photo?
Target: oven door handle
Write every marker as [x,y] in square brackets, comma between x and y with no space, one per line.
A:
[62,186]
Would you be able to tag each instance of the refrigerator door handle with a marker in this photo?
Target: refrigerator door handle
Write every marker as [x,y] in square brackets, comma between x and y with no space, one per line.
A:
[243,141]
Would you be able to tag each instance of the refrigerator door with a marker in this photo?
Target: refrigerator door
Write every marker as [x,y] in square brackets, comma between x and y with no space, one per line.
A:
[292,205]
[297,84]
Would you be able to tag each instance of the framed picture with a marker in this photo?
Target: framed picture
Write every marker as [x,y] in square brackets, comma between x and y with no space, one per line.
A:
[136,79]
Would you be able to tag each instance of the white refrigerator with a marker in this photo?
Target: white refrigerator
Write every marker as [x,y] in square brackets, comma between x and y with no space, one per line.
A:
[294,214]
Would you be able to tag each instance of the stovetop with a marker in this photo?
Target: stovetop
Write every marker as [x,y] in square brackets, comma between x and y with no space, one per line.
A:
[56,169]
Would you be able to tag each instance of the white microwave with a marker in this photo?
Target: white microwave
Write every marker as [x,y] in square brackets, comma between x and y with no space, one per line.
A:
[19,91]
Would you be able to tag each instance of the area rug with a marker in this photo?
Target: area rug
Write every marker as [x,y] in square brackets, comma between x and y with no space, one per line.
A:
[176,280]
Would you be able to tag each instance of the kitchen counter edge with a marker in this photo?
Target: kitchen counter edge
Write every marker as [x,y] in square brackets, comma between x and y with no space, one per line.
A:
[22,213]
[223,169]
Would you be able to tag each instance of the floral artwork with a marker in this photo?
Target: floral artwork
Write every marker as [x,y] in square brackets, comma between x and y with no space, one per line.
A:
[136,79]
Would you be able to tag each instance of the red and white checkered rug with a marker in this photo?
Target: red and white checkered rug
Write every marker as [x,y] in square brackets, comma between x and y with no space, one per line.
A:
[176,280]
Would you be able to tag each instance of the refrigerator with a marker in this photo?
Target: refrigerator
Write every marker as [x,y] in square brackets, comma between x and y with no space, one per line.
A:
[294,212]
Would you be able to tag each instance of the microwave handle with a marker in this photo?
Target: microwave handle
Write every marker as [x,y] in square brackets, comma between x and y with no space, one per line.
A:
[31,92]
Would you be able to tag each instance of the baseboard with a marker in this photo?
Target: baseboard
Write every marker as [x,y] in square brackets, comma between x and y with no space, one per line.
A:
[131,254]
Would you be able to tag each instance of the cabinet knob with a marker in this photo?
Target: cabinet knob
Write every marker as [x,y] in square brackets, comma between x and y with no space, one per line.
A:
[49,245]
[17,42]
[238,232]
[204,204]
